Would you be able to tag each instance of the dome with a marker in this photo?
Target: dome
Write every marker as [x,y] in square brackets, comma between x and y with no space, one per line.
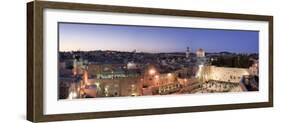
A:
[200,50]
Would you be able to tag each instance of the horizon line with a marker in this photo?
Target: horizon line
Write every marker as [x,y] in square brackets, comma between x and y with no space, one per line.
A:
[158,52]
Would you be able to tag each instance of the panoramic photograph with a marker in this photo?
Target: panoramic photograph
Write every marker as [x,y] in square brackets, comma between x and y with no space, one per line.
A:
[104,60]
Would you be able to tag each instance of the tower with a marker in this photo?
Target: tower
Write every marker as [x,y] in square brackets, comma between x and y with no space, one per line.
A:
[200,54]
[187,52]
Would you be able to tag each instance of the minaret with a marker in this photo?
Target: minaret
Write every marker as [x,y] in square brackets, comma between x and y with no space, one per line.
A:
[187,52]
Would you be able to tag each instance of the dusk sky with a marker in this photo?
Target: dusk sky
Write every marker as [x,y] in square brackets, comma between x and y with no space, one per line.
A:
[86,37]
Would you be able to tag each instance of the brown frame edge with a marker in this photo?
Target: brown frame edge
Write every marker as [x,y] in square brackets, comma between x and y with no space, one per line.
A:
[35,60]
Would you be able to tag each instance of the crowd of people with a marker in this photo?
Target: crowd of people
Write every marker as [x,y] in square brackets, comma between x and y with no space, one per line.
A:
[217,86]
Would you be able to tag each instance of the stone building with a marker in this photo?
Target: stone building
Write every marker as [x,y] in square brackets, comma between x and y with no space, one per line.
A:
[200,52]
[225,74]
[129,86]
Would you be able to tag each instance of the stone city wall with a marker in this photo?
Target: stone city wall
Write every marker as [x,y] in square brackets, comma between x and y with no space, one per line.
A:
[225,74]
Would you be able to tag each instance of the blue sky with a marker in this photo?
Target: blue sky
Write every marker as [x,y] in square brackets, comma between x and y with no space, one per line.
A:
[75,36]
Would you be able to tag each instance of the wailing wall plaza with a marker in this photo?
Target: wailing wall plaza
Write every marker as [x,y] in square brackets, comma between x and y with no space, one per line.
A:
[225,74]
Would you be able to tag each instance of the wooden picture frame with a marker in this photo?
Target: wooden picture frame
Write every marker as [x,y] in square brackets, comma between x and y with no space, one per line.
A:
[35,64]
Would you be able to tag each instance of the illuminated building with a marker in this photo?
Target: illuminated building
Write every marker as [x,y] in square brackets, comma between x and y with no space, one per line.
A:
[200,53]
[225,74]
[131,65]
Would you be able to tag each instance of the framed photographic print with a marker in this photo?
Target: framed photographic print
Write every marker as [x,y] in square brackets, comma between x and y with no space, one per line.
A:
[96,61]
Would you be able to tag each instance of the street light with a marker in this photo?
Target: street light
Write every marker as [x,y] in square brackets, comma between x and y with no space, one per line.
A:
[169,75]
[156,76]
[152,71]
[156,81]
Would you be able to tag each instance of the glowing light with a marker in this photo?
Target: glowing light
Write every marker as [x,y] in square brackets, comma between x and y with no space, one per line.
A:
[152,71]
[97,84]
[169,74]
[156,77]
[106,89]
[72,95]
[131,65]
[199,71]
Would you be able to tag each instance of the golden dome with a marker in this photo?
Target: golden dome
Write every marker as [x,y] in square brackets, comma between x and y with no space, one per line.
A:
[200,50]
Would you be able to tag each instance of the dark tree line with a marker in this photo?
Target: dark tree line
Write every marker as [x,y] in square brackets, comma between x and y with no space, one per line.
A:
[238,61]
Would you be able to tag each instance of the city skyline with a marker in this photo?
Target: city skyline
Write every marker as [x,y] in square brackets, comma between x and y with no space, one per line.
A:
[90,37]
